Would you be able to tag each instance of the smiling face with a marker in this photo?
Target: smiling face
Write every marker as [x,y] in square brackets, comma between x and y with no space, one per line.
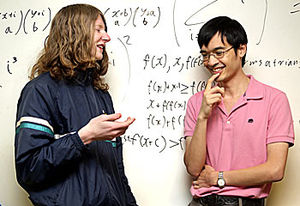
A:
[100,38]
[230,65]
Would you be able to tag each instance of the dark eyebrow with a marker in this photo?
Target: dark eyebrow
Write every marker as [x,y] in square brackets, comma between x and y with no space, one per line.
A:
[215,49]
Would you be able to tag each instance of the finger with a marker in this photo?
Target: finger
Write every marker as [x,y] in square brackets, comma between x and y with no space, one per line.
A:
[215,98]
[111,117]
[195,182]
[211,80]
[217,89]
[196,186]
[130,120]
[127,122]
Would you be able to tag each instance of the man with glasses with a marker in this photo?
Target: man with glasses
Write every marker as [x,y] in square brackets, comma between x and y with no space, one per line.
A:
[237,132]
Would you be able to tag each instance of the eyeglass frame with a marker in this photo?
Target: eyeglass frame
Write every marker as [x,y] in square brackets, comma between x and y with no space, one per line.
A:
[205,59]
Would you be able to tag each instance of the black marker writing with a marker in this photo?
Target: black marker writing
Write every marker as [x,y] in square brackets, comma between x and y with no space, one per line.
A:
[161,143]
[297,8]
[179,64]
[28,20]
[176,88]
[137,17]
[14,60]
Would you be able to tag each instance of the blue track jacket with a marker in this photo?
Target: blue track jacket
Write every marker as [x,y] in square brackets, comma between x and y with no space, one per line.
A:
[52,163]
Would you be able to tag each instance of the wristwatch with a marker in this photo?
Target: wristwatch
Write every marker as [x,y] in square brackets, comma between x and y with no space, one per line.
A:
[221,181]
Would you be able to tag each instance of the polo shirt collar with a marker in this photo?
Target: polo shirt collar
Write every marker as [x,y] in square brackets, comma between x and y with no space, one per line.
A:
[254,90]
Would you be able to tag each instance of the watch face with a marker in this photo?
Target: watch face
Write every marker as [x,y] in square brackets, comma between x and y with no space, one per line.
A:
[221,182]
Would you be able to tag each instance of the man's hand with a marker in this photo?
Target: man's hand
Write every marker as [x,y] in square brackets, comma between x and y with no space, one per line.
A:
[211,97]
[207,178]
[104,127]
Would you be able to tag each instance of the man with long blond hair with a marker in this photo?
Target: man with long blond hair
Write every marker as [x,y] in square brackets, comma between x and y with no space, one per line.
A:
[67,146]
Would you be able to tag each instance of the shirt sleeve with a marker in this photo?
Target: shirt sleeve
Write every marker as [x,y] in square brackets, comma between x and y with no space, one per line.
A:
[39,156]
[280,125]
[192,110]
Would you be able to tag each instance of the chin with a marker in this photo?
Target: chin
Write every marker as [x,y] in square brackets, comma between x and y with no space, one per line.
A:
[99,57]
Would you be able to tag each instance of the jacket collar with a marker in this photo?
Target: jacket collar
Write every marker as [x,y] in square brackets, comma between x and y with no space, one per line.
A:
[84,77]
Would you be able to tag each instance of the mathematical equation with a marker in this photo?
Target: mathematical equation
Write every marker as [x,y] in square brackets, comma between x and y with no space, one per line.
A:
[161,143]
[164,87]
[164,121]
[162,62]
[166,105]
[9,62]
[273,63]
[28,21]
[134,16]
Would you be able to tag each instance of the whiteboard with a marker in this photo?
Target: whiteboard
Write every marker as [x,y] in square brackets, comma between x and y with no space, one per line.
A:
[154,69]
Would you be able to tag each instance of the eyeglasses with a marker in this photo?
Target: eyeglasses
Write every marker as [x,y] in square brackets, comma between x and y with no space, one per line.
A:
[218,54]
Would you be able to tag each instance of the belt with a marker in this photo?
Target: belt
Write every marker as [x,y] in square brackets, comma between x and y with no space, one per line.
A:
[220,200]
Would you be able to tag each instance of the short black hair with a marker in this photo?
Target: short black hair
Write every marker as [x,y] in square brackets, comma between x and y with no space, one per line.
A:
[233,31]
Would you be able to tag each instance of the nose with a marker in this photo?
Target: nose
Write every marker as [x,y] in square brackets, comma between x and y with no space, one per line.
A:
[212,60]
[106,37]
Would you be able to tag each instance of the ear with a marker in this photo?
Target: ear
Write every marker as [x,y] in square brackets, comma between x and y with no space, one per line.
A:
[242,50]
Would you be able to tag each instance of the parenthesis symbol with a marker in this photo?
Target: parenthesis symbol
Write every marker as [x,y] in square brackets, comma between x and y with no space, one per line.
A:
[24,28]
[164,145]
[152,62]
[152,120]
[20,22]
[158,18]
[133,20]
[106,11]
[166,85]
[154,86]
[180,141]
[49,19]
[264,22]
[179,119]
[174,27]
[129,66]
[165,60]
[129,17]
[164,117]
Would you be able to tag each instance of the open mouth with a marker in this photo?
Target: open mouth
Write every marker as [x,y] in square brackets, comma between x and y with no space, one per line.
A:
[100,46]
[217,70]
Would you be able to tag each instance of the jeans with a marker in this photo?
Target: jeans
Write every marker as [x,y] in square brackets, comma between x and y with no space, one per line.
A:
[218,200]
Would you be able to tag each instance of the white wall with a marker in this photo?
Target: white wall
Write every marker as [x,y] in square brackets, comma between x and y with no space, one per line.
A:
[153,56]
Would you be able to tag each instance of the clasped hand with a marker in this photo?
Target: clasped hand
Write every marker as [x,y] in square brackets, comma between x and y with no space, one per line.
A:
[207,178]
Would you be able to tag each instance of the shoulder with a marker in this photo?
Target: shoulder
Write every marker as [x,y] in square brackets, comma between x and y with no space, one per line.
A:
[264,90]
[42,86]
[42,82]
[196,98]
[269,88]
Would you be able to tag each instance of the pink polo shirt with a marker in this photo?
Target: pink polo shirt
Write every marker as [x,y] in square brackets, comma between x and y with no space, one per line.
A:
[239,139]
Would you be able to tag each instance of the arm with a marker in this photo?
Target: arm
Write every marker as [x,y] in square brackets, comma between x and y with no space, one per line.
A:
[195,153]
[279,137]
[270,171]
[38,155]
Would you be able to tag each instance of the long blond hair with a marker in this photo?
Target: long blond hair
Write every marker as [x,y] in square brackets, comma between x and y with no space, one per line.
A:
[69,45]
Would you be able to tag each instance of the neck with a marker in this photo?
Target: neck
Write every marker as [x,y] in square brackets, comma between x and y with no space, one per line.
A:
[236,86]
